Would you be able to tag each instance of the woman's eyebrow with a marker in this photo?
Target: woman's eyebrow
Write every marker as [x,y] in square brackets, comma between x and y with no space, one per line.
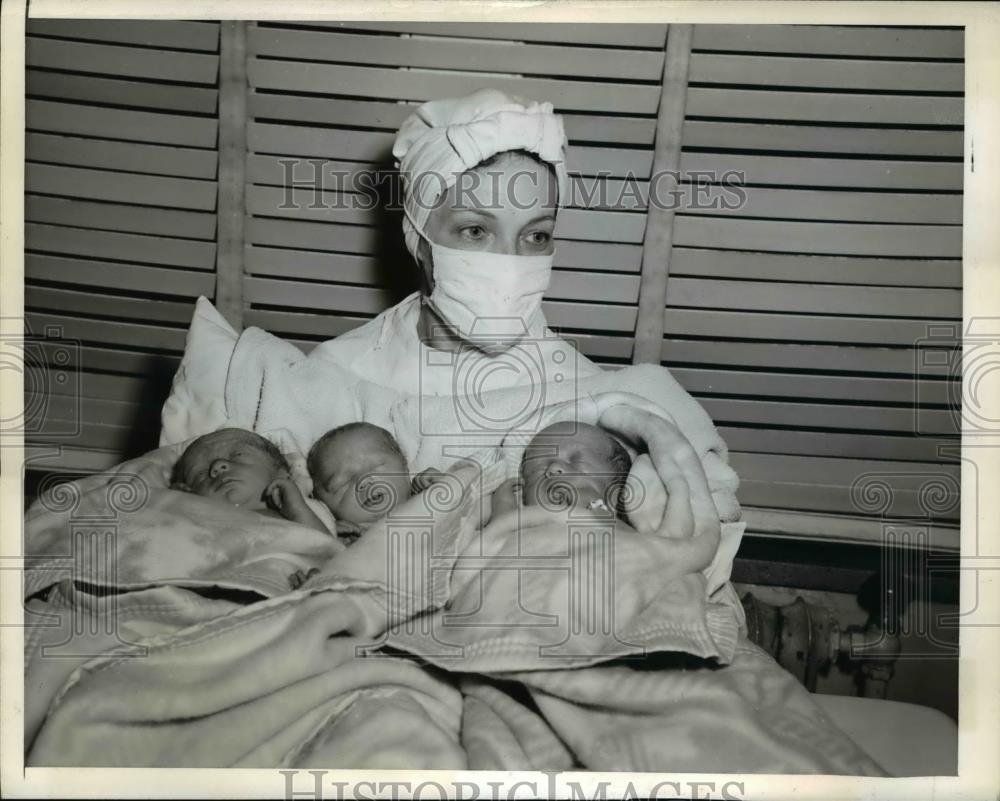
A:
[482,212]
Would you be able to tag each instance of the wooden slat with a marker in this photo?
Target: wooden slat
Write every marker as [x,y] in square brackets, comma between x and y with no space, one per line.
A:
[119,439]
[624,35]
[659,238]
[72,302]
[837,528]
[797,356]
[123,187]
[335,297]
[151,336]
[129,362]
[811,498]
[815,298]
[136,157]
[817,269]
[72,459]
[301,236]
[816,327]
[887,42]
[822,387]
[325,174]
[428,85]
[114,123]
[865,109]
[232,171]
[723,135]
[374,148]
[119,217]
[312,236]
[336,207]
[324,325]
[91,89]
[174,34]
[597,346]
[824,415]
[442,52]
[130,62]
[106,412]
[603,317]
[731,199]
[101,386]
[389,116]
[622,258]
[827,73]
[117,246]
[312,265]
[845,206]
[841,472]
[826,443]
[597,287]
[115,275]
[805,171]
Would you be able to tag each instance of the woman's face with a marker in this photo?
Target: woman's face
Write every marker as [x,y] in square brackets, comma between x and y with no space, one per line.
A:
[506,207]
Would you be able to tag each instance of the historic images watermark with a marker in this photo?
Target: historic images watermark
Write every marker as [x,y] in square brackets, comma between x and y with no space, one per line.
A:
[315,785]
[49,364]
[955,370]
[319,184]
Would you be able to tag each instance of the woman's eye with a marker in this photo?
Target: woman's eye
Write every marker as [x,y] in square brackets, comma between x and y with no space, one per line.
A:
[539,238]
[473,232]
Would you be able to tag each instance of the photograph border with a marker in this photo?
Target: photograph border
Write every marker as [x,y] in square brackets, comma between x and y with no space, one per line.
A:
[979,678]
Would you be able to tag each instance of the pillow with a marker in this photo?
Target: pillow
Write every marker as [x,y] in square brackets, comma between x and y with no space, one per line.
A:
[197,402]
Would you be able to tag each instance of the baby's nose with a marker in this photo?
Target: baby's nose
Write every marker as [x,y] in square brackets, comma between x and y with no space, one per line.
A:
[555,469]
[218,466]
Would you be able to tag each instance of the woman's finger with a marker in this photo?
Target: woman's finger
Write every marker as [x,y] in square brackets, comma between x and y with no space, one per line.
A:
[682,474]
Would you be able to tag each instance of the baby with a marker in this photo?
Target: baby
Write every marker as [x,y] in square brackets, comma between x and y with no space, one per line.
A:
[569,465]
[243,469]
[360,473]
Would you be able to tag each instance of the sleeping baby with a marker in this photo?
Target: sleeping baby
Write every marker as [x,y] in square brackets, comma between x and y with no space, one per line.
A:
[245,470]
[360,473]
[566,466]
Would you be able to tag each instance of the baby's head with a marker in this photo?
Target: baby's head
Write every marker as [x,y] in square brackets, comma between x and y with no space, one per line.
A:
[574,465]
[359,472]
[232,465]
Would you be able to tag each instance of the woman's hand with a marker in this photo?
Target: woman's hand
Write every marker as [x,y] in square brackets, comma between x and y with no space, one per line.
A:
[690,513]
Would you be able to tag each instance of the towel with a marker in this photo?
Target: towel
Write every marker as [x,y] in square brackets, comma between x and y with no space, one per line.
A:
[444,138]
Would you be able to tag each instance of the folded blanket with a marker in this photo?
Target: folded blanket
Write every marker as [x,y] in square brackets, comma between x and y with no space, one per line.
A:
[538,590]
[125,528]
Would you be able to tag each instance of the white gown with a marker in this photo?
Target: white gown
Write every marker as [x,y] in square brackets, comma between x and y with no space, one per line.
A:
[388,352]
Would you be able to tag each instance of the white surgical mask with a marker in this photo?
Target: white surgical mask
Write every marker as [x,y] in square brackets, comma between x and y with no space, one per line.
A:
[490,299]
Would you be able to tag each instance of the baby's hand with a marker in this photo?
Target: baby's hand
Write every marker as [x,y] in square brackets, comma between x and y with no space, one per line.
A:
[348,532]
[284,496]
[507,496]
[427,478]
[300,577]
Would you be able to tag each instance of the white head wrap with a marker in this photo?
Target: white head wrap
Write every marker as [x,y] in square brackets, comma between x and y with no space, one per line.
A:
[444,138]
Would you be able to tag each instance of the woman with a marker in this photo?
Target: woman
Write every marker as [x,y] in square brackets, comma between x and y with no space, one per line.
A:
[483,176]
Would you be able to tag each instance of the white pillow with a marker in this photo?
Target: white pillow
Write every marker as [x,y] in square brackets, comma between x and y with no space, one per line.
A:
[197,402]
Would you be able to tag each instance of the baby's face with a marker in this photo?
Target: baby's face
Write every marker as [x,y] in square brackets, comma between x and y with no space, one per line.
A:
[359,477]
[230,466]
[568,465]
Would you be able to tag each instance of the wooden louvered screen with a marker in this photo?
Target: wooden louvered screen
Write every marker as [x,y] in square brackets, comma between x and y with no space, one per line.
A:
[120,202]
[798,318]
[339,92]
